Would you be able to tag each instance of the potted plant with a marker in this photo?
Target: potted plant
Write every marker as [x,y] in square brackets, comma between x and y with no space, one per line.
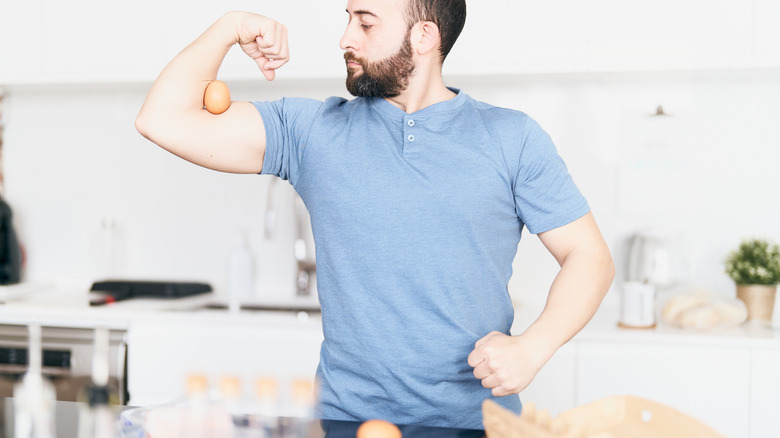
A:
[755,268]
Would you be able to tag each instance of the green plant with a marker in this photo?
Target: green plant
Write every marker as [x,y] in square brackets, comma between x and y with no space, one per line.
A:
[756,261]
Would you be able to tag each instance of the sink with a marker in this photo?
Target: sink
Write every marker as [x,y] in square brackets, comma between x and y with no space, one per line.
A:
[261,308]
[220,306]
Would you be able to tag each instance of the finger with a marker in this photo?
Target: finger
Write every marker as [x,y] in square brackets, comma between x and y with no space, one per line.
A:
[499,391]
[266,39]
[272,41]
[274,64]
[284,50]
[279,39]
[491,381]
[285,44]
[482,371]
[269,74]
[486,338]
[475,358]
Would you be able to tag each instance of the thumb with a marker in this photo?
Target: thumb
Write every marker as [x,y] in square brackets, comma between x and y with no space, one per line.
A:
[486,338]
[269,73]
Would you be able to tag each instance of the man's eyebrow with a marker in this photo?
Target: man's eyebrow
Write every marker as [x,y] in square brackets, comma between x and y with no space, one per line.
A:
[363,12]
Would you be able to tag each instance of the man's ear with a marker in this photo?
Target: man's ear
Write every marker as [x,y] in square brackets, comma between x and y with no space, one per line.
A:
[425,37]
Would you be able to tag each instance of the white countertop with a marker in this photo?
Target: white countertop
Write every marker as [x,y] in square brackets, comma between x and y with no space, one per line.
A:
[51,307]
[604,327]
[67,309]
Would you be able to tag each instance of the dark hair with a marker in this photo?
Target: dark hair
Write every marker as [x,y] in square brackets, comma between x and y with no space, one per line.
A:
[448,15]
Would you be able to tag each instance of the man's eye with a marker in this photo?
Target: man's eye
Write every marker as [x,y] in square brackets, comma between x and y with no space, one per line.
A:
[366,26]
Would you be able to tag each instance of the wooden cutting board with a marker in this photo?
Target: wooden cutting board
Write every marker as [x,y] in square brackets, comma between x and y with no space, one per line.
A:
[610,417]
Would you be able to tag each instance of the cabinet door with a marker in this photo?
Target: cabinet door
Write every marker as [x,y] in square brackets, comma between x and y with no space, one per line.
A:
[553,388]
[708,383]
[669,34]
[99,41]
[766,33]
[162,354]
[765,394]
[522,36]
[20,40]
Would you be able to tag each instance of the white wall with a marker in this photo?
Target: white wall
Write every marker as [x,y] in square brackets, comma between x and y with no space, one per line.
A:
[708,173]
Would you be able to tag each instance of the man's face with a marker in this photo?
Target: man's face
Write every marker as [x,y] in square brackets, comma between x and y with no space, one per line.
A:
[378,50]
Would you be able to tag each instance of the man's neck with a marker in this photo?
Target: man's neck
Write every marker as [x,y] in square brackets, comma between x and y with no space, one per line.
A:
[423,91]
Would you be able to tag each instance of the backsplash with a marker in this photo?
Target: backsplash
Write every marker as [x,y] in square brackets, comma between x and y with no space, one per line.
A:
[93,199]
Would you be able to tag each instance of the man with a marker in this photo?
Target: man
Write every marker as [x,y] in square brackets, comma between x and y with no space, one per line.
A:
[418,195]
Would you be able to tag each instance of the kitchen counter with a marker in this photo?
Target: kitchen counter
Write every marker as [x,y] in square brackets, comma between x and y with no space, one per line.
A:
[604,327]
[169,340]
[69,309]
[50,307]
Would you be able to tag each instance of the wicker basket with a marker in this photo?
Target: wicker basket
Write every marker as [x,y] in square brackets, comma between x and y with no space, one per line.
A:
[759,300]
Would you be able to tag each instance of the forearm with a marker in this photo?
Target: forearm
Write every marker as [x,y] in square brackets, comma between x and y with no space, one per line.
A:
[574,297]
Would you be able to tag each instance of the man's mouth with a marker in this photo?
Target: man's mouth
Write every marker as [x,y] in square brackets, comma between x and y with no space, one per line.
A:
[352,61]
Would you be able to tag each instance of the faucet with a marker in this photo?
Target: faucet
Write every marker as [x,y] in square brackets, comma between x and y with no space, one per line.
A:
[307,267]
[304,256]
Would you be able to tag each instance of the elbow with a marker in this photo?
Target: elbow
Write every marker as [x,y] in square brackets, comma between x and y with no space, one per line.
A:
[609,268]
[142,124]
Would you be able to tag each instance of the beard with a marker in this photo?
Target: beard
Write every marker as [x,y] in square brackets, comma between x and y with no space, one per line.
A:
[388,77]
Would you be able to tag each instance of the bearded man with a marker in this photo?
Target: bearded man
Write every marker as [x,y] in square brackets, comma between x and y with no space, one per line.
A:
[418,195]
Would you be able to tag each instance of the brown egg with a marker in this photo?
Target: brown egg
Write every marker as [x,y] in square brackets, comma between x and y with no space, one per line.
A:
[378,429]
[216,99]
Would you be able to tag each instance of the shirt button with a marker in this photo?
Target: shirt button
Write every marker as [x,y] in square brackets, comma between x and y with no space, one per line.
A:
[410,122]
[410,138]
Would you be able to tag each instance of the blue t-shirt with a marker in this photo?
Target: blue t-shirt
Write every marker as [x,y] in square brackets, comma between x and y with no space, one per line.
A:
[416,220]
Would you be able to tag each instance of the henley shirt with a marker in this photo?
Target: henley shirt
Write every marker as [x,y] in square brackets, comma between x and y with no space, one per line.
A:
[416,220]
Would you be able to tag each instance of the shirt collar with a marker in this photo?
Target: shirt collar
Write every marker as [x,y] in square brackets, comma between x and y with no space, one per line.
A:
[442,108]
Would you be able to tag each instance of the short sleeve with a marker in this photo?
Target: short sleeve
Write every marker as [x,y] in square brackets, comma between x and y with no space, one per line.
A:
[287,123]
[545,194]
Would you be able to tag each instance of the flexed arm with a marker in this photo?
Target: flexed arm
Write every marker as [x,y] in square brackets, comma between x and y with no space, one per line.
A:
[173,115]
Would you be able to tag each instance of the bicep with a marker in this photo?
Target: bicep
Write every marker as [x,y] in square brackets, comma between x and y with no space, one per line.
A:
[233,141]
[580,234]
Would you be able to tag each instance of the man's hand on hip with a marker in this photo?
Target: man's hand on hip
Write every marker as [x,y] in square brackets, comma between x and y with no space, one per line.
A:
[506,364]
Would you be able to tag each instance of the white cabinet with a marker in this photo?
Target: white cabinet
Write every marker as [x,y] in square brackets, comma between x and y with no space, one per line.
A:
[20,39]
[765,393]
[553,387]
[766,33]
[80,41]
[96,41]
[507,37]
[708,383]
[161,354]
[669,34]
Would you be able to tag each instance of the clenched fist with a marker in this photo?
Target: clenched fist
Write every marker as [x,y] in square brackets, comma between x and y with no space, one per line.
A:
[506,364]
[264,40]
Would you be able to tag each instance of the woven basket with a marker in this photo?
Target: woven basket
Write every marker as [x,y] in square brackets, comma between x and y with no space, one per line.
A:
[759,300]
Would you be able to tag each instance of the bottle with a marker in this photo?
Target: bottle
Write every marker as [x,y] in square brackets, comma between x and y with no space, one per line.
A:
[96,417]
[230,399]
[265,413]
[241,275]
[34,396]
[301,409]
[203,416]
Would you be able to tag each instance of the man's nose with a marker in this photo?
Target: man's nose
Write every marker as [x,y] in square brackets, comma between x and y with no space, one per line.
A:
[347,41]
